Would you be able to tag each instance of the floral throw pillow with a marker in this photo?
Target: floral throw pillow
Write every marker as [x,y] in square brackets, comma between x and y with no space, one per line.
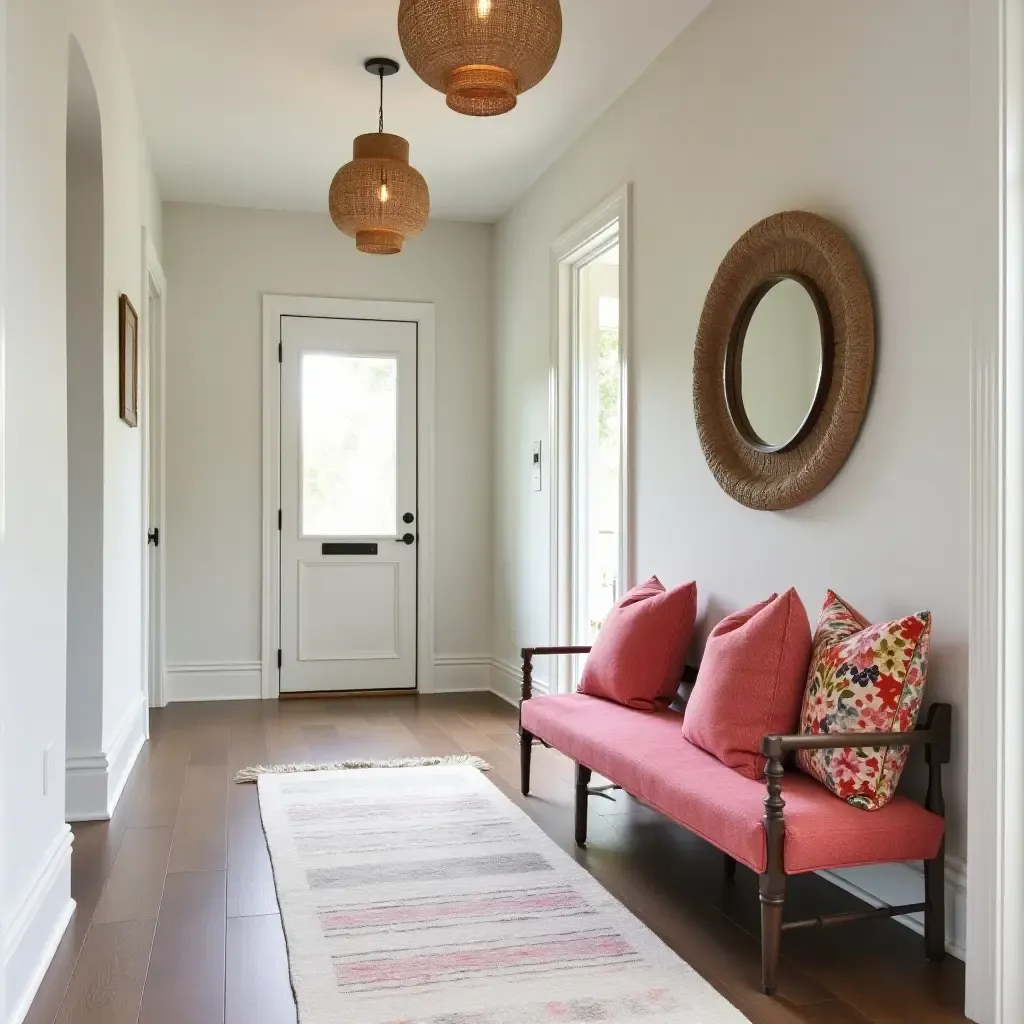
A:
[863,678]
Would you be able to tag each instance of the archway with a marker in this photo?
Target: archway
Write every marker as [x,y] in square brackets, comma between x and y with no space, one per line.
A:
[85,261]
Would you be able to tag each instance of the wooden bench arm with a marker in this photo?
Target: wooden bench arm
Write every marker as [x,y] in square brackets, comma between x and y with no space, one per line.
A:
[933,734]
[530,652]
[528,655]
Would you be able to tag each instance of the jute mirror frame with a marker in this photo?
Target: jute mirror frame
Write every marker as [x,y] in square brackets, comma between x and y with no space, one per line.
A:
[815,252]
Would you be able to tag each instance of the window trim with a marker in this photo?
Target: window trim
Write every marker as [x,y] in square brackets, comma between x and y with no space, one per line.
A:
[572,250]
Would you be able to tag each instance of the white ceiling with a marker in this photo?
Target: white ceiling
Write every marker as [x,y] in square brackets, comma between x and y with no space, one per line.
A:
[255,102]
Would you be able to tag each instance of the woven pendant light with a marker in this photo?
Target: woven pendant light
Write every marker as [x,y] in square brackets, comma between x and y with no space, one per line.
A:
[481,53]
[378,198]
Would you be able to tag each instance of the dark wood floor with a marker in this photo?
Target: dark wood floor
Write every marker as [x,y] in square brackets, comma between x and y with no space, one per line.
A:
[177,919]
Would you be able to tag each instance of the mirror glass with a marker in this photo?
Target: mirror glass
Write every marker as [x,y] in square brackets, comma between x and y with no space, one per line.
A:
[780,366]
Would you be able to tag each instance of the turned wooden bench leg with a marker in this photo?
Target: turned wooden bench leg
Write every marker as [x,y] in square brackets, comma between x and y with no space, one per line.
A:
[935,914]
[773,881]
[582,795]
[772,904]
[525,756]
[940,720]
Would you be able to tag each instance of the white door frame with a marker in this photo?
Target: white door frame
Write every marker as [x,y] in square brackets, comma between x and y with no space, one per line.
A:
[153,348]
[995,731]
[567,251]
[422,314]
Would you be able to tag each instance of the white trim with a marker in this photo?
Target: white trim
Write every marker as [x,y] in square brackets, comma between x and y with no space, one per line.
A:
[895,884]
[218,680]
[463,673]
[36,927]
[154,419]
[507,681]
[3,428]
[566,251]
[421,313]
[995,725]
[95,781]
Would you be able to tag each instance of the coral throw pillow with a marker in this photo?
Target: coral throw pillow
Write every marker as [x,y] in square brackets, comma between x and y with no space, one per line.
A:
[751,682]
[639,656]
[863,678]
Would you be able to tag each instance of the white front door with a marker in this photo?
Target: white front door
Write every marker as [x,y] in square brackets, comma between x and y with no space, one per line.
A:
[349,519]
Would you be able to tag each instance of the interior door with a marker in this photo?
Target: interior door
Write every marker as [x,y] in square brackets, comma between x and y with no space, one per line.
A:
[348,505]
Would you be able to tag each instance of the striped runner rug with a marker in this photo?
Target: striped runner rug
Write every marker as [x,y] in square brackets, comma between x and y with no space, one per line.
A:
[425,896]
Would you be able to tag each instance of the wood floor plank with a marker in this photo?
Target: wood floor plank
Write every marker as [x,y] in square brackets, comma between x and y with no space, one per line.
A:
[251,889]
[136,881]
[263,995]
[185,984]
[285,742]
[247,744]
[324,743]
[200,834]
[210,740]
[160,790]
[110,974]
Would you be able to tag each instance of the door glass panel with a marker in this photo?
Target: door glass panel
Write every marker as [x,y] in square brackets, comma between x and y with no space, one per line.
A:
[349,445]
[598,435]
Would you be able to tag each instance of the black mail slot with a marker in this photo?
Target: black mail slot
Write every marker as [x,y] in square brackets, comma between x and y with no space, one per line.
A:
[349,549]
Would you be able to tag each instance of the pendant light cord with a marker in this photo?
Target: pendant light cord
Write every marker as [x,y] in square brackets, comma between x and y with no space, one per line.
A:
[380,126]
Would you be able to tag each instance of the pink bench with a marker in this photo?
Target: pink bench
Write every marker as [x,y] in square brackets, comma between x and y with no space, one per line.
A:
[788,825]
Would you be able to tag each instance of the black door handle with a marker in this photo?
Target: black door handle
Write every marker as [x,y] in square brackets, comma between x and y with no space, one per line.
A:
[407,539]
[154,537]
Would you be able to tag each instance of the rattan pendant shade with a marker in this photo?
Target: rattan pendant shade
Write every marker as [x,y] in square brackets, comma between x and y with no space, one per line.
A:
[378,198]
[481,53]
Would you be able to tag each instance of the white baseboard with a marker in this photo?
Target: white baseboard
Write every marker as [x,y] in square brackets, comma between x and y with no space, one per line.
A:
[37,926]
[895,884]
[507,681]
[465,673]
[94,782]
[222,680]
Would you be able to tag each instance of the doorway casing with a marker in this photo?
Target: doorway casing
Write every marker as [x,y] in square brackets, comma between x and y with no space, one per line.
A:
[571,250]
[154,331]
[422,314]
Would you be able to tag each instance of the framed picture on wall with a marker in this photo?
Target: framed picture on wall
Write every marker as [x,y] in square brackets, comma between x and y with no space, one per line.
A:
[129,321]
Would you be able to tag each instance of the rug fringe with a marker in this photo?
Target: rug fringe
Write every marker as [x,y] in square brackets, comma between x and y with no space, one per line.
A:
[252,773]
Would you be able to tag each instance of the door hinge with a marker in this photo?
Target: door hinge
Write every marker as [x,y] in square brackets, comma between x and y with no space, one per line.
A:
[154,536]
[280,351]
[279,658]
[280,519]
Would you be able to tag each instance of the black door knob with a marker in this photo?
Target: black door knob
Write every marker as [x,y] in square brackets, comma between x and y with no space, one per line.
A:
[408,517]
[407,539]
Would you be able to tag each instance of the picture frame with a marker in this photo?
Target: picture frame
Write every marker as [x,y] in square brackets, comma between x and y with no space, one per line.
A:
[129,361]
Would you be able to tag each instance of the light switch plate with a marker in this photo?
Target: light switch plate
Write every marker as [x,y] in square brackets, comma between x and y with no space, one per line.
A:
[535,467]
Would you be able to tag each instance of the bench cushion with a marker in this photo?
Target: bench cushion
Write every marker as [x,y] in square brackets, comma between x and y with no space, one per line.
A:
[645,754]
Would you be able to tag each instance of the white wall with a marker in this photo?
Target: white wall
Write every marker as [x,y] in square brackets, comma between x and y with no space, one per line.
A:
[219,262]
[36,880]
[857,111]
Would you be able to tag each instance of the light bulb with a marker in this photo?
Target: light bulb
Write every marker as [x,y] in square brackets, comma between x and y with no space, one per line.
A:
[483,8]
[384,192]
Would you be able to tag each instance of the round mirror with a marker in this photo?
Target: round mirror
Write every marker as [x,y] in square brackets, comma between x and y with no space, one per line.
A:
[777,366]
